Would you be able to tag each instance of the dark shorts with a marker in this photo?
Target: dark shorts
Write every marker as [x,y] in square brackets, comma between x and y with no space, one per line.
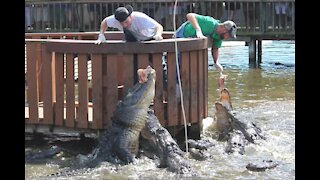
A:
[180,30]
[129,37]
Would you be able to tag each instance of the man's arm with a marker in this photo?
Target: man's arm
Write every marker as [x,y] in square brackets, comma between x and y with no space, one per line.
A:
[215,56]
[194,22]
[159,31]
[103,28]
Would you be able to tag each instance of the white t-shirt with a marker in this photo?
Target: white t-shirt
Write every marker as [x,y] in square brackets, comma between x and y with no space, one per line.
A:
[143,27]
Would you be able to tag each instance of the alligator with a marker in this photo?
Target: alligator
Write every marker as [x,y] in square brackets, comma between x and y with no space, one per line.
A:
[38,156]
[228,126]
[236,142]
[262,166]
[237,133]
[120,142]
[167,149]
[198,149]
[133,121]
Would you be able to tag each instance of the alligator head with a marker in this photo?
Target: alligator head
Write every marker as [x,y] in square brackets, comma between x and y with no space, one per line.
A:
[222,118]
[236,142]
[142,94]
[225,99]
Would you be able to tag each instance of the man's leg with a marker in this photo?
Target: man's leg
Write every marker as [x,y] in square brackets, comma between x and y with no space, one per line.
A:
[130,38]
[179,34]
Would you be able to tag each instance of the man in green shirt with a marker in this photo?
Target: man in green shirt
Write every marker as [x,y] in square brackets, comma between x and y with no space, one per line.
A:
[206,26]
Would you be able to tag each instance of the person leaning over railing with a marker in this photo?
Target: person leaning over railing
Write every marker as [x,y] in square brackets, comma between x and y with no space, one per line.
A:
[206,26]
[136,26]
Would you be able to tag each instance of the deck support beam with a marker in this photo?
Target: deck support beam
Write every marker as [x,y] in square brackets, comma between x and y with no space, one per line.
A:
[255,51]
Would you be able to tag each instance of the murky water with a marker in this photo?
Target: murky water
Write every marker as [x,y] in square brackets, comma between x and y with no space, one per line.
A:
[265,96]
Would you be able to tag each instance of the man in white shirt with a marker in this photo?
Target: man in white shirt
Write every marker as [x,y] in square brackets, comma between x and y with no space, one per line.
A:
[136,26]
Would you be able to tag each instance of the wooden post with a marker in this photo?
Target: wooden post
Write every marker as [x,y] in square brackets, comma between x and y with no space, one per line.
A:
[33,83]
[70,91]
[252,53]
[82,119]
[172,97]
[158,99]
[259,52]
[111,87]
[47,85]
[59,88]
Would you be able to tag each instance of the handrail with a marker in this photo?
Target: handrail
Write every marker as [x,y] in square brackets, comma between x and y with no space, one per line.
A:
[120,46]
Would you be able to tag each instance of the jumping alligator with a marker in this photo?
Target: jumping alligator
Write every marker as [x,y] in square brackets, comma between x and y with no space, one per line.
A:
[120,142]
[132,118]
[129,118]
[237,133]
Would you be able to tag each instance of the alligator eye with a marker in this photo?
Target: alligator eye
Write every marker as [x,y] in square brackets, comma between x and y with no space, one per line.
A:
[254,136]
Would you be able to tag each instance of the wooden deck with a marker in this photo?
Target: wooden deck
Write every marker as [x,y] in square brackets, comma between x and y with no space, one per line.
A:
[56,98]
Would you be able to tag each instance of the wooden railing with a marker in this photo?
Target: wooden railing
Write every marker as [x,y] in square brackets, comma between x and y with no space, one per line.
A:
[57,97]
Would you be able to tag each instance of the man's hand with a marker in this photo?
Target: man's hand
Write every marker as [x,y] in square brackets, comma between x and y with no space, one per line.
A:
[157,37]
[101,39]
[199,33]
[218,67]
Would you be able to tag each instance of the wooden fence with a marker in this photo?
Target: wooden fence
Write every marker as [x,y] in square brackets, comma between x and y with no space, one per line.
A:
[267,18]
[57,97]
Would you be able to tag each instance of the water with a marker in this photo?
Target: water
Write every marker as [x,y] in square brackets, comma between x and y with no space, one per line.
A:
[274,80]
[265,96]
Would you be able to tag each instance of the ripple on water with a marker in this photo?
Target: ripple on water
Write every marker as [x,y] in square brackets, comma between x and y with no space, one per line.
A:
[277,120]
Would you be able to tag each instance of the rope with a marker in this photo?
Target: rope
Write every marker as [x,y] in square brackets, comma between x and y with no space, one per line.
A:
[178,74]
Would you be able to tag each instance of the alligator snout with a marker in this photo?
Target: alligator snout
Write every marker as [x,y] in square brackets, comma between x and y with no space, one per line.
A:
[236,142]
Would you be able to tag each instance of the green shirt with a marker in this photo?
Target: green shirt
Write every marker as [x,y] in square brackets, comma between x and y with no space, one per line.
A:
[208,26]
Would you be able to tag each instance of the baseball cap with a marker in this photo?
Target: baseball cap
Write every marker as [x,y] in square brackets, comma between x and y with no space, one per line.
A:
[231,27]
[122,13]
